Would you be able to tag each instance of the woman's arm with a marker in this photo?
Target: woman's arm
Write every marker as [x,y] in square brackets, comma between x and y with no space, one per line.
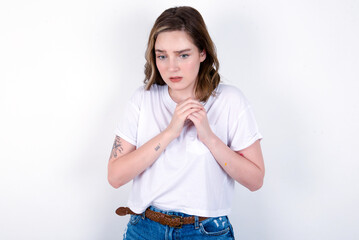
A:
[245,166]
[126,162]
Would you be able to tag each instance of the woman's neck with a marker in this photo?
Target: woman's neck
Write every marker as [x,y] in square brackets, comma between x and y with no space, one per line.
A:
[180,96]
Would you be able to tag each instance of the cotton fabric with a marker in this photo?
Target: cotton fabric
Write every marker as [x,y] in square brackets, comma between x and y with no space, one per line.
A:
[186,178]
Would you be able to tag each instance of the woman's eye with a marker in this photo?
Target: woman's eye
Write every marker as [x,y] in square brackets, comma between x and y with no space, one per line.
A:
[184,55]
[161,57]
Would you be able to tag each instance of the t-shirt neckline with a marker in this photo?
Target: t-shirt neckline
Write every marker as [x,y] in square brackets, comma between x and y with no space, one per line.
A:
[171,104]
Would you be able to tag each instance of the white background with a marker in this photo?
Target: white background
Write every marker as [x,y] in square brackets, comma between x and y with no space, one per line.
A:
[68,67]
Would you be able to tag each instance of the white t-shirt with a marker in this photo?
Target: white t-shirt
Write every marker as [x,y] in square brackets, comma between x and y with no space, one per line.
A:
[186,177]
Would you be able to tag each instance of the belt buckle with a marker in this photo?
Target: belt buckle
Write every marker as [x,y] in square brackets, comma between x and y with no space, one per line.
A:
[181,221]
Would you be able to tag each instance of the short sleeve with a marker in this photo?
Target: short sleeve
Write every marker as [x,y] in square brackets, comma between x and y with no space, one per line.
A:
[242,125]
[244,131]
[128,124]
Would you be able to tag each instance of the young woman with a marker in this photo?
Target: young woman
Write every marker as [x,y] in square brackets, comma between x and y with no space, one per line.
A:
[184,138]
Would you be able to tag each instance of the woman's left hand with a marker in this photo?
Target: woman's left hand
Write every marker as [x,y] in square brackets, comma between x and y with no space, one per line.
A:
[200,121]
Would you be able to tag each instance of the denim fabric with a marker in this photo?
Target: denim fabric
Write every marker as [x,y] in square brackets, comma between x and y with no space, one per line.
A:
[141,228]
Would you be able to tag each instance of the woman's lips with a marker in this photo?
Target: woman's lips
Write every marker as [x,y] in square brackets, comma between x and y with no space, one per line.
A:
[175,79]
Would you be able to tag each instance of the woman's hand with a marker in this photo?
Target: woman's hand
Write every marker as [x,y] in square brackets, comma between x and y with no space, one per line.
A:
[200,121]
[182,112]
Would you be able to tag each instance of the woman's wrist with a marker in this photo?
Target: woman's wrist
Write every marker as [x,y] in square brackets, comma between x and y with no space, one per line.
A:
[211,141]
[168,134]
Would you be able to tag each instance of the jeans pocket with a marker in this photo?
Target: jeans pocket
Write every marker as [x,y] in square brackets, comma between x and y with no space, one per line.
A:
[216,226]
[134,219]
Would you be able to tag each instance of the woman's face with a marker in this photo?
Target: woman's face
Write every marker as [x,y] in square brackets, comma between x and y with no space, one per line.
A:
[178,61]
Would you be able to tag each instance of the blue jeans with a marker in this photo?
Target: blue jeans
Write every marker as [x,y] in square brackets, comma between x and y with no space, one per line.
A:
[141,228]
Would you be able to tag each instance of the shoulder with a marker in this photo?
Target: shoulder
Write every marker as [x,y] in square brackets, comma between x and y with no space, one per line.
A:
[155,89]
[141,93]
[230,94]
[137,96]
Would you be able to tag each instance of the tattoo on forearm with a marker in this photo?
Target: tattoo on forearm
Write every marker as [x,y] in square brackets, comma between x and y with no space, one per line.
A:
[117,147]
[158,147]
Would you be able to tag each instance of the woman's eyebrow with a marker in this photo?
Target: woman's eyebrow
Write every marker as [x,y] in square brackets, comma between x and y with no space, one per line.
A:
[184,50]
[178,52]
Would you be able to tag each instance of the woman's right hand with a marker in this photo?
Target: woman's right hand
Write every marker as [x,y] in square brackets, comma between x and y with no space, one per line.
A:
[182,111]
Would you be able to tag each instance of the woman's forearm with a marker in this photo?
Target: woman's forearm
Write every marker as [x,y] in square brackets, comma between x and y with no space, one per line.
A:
[123,169]
[240,168]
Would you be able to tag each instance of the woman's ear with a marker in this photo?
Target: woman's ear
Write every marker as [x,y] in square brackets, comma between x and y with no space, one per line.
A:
[203,55]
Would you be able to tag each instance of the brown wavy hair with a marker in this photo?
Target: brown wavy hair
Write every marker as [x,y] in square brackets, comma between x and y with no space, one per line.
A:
[189,20]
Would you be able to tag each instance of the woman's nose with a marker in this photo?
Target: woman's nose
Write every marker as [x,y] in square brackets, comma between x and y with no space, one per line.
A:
[173,65]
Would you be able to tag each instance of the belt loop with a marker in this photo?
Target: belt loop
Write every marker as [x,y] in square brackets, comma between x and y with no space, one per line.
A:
[144,215]
[196,222]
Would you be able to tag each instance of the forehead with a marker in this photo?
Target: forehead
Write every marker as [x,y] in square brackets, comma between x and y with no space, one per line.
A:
[174,41]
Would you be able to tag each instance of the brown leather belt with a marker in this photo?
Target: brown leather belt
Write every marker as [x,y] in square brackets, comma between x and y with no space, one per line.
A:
[164,219]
